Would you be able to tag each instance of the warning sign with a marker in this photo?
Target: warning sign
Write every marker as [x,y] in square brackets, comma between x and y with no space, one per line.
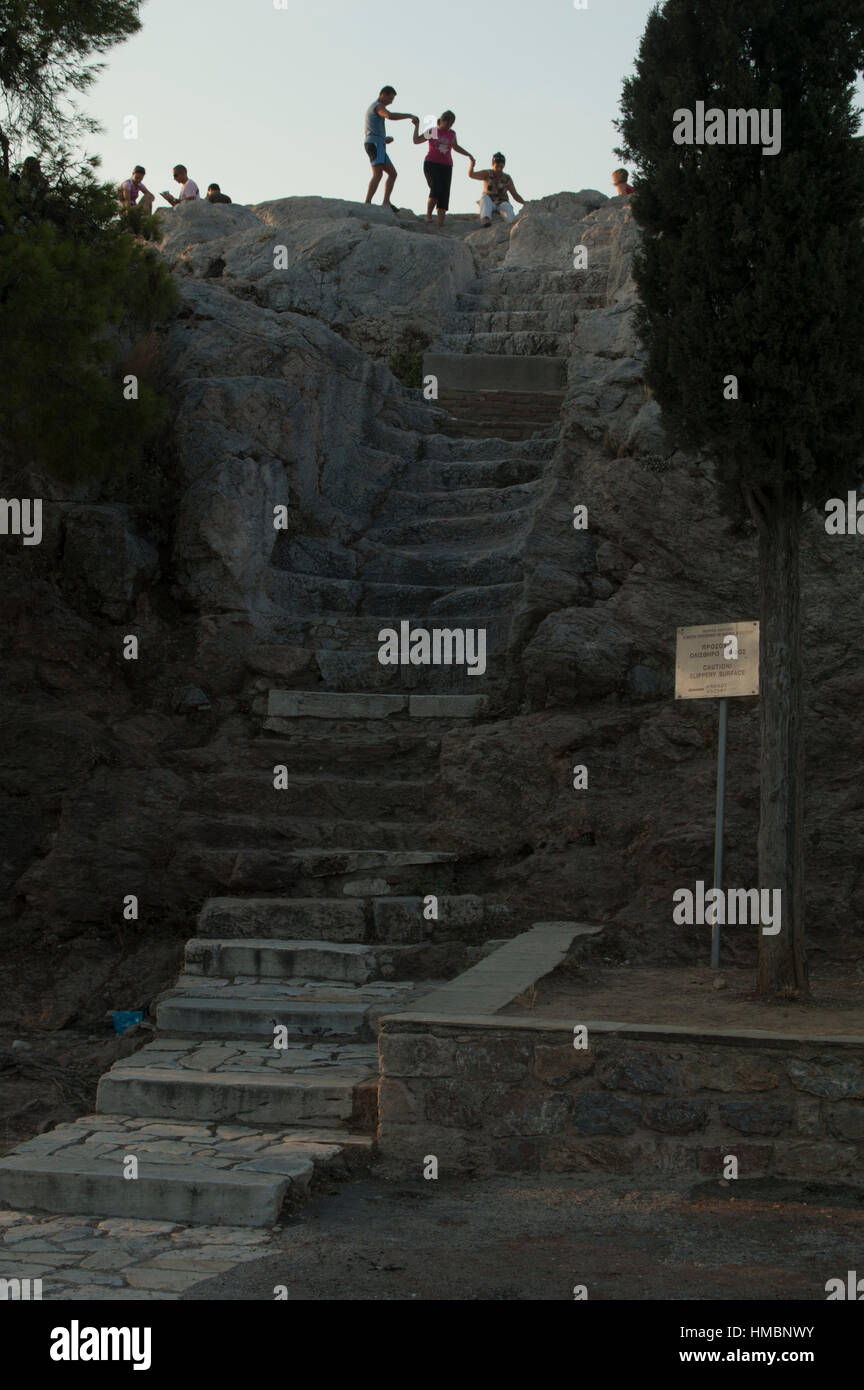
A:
[714,662]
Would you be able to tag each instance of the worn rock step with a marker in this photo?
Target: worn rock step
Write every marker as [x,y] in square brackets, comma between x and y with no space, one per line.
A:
[290,704]
[339,632]
[254,1010]
[534,283]
[305,594]
[464,529]
[224,830]
[293,919]
[467,563]
[347,670]
[356,918]
[302,594]
[277,959]
[260,1096]
[326,871]
[559,316]
[486,451]
[407,750]
[479,427]
[378,798]
[477,503]
[194,1174]
[524,344]
[486,474]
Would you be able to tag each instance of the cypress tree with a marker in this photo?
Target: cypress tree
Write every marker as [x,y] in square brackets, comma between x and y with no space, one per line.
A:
[752,266]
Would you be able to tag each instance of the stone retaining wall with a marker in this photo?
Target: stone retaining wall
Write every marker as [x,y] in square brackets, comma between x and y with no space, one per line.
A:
[501,1094]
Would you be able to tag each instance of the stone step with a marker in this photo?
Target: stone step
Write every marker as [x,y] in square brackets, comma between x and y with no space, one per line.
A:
[477,503]
[476,530]
[318,872]
[539,282]
[493,429]
[348,670]
[487,451]
[457,564]
[469,475]
[293,832]
[254,1010]
[478,372]
[408,749]
[558,317]
[252,792]
[194,1174]
[340,633]
[290,704]
[426,565]
[288,919]
[241,1083]
[524,344]
[309,594]
[267,958]
[364,916]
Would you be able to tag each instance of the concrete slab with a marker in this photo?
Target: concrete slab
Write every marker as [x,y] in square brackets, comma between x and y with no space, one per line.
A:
[475,371]
[506,973]
[297,704]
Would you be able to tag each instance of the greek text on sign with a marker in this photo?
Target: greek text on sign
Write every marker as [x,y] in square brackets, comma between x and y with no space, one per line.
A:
[704,668]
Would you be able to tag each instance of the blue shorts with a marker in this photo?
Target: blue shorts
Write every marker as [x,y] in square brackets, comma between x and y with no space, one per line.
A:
[377,152]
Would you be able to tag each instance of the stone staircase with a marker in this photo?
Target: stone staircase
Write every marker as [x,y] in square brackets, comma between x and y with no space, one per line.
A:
[501,360]
[321,927]
[263,1070]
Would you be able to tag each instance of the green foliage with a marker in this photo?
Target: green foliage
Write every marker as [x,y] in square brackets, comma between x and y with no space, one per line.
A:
[75,291]
[44,50]
[407,363]
[753,265]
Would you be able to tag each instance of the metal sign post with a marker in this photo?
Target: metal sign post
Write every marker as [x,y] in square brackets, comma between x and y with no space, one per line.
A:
[705,671]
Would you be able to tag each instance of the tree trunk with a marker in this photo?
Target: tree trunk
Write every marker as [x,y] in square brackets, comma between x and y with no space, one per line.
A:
[782,971]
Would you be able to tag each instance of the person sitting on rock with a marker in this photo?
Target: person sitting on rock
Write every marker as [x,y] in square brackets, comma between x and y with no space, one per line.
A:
[376,140]
[438,164]
[497,190]
[215,194]
[620,179]
[131,189]
[188,187]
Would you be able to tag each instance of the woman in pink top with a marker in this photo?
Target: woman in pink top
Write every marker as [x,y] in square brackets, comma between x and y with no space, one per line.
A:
[438,164]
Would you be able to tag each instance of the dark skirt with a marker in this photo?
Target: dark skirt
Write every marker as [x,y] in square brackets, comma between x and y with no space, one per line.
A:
[439,177]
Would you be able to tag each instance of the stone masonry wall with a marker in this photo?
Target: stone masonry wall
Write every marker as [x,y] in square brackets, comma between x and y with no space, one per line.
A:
[498,1095]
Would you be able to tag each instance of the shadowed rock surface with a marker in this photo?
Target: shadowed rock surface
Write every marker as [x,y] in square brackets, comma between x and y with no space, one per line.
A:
[140,777]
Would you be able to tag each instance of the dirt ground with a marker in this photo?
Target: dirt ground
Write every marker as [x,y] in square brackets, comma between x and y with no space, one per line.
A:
[53,1078]
[385,1239]
[690,998]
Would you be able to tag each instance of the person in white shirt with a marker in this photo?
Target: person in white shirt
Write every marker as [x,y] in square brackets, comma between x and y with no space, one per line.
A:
[188,187]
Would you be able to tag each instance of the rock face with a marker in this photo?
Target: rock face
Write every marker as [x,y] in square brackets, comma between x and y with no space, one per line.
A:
[138,776]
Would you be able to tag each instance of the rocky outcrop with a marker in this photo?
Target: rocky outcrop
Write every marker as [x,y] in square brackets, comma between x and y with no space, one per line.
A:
[283,399]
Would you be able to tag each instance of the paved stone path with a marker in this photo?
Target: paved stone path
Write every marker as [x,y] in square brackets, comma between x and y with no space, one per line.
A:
[78,1257]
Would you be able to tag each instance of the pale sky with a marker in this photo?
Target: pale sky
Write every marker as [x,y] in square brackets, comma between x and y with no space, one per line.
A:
[269,102]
